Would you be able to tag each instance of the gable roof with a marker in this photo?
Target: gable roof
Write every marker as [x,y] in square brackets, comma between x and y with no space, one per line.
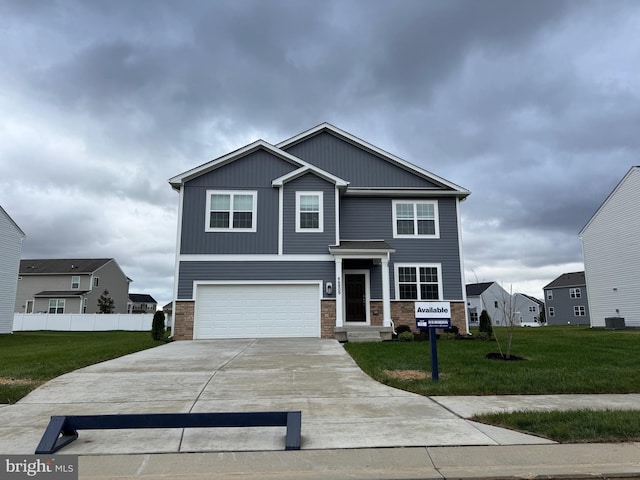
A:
[476,289]
[632,170]
[327,127]
[11,221]
[278,150]
[180,179]
[63,266]
[533,299]
[575,279]
[141,298]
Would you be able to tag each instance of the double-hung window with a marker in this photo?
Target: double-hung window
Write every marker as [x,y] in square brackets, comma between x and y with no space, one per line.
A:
[231,211]
[309,212]
[415,218]
[575,293]
[418,282]
[56,305]
[75,282]
[579,311]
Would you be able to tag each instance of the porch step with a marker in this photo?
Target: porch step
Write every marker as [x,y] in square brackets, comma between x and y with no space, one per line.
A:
[363,336]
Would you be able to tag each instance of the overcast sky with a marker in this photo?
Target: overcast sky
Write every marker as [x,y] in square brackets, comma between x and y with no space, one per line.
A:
[533,106]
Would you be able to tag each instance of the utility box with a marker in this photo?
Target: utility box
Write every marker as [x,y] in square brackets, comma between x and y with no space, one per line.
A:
[614,323]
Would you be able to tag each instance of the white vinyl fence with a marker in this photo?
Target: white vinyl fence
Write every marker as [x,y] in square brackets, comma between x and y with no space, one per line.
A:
[86,322]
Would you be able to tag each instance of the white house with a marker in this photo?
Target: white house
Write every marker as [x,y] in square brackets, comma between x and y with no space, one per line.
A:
[527,308]
[11,237]
[489,296]
[611,249]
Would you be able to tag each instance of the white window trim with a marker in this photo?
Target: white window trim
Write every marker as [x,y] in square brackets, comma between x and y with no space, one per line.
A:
[575,292]
[415,219]
[417,265]
[320,228]
[77,285]
[254,211]
[552,312]
[579,311]
[59,301]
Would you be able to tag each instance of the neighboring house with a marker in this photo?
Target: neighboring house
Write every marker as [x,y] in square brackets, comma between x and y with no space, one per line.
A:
[487,296]
[141,303]
[611,248]
[313,237]
[528,308]
[70,285]
[566,300]
[11,237]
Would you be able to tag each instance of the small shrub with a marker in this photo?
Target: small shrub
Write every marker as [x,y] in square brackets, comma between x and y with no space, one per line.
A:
[448,335]
[484,336]
[402,328]
[157,325]
[453,329]
[405,337]
[485,324]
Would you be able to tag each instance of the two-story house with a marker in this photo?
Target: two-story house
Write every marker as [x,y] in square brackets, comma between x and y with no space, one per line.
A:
[489,296]
[566,300]
[142,303]
[11,237]
[528,309]
[70,285]
[612,254]
[313,236]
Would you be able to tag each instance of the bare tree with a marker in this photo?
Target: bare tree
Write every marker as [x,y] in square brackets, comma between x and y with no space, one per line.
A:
[510,312]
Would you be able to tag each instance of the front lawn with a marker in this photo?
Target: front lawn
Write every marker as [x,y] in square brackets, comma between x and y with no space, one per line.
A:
[557,360]
[29,359]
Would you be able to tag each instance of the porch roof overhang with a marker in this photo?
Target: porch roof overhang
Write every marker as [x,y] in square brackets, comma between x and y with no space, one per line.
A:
[361,249]
[60,293]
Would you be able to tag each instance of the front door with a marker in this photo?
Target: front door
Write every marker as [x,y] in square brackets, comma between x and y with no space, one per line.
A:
[355,293]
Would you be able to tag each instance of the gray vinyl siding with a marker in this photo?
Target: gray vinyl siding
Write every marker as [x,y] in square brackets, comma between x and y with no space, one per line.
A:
[360,167]
[10,249]
[372,218]
[190,272]
[563,304]
[308,242]
[253,172]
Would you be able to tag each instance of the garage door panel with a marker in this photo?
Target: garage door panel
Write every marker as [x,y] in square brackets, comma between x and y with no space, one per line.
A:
[257,311]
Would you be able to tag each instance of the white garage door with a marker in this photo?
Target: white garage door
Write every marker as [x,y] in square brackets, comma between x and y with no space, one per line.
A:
[257,311]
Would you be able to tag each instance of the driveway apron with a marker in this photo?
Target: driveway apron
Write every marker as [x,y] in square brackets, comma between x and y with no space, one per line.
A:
[341,406]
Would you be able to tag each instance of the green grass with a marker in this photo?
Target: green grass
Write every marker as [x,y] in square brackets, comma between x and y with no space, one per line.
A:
[29,359]
[577,426]
[557,360]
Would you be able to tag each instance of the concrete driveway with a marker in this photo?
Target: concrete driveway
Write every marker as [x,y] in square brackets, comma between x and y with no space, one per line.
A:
[341,406]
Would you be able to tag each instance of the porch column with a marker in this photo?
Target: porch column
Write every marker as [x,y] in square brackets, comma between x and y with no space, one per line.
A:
[339,314]
[386,295]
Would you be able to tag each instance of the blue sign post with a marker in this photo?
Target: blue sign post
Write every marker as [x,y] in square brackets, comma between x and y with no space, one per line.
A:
[433,315]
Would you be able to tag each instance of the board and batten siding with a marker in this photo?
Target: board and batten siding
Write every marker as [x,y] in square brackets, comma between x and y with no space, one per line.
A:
[611,247]
[248,271]
[10,250]
[372,218]
[356,165]
[254,173]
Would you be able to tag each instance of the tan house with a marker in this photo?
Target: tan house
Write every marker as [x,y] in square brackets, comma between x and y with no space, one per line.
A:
[70,285]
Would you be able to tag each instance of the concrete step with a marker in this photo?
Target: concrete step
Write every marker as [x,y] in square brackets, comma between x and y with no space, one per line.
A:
[362,336]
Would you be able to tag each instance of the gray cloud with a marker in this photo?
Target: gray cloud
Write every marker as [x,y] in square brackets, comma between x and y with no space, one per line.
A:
[531,105]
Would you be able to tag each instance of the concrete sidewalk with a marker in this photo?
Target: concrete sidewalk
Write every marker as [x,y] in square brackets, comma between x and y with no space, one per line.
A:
[498,462]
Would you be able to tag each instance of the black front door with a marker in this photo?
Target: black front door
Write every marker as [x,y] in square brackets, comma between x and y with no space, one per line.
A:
[355,297]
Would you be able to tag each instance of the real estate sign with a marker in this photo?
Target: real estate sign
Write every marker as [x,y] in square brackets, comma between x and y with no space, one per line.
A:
[433,314]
